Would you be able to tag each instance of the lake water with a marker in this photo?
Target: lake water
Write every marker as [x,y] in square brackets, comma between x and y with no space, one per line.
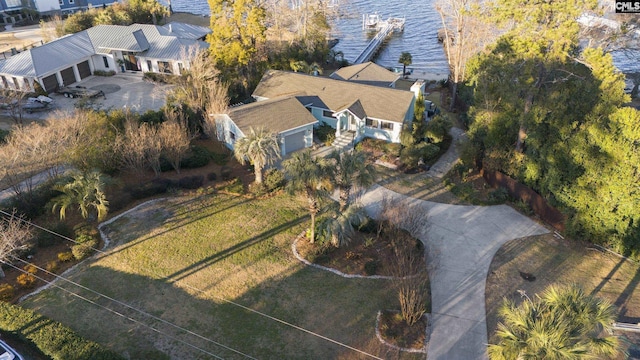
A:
[419,36]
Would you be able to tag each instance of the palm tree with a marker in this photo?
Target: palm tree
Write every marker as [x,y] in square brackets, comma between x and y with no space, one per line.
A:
[563,323]
[339,229]
[406,60]
[260,148]
[87,190]
[308,176]
[350,169]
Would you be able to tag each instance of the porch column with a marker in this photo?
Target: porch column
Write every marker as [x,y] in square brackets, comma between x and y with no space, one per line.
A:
[283,148]
[338,130]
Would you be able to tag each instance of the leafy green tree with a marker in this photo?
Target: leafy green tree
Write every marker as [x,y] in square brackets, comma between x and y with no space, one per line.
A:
[87,190]
[563,323]
[405,59]
[146,11]
[260,147]
[309,176]
[350,169]
[82,20]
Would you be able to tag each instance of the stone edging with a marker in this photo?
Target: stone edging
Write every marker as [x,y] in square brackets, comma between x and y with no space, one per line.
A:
[294,249]
[106,241]
[395,347]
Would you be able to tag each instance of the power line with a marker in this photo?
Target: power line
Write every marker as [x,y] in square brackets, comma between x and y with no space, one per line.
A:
[136,309]
[115,312]
[214,296]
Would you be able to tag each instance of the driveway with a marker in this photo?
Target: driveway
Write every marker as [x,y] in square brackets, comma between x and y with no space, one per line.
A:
[460,242]
[122,91]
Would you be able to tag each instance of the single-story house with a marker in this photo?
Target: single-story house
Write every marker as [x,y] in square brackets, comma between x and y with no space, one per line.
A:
[362,110]
[285,116]
[368,73]
[137,47]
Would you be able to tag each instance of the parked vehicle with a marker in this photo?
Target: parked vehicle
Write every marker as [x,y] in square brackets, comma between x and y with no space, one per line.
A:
[8,353]
[79,91]
[40,103]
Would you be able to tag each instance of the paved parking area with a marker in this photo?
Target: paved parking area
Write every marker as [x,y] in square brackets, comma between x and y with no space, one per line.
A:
[122,91]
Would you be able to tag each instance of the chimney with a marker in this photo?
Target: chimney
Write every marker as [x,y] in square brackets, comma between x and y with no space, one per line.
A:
[170,29]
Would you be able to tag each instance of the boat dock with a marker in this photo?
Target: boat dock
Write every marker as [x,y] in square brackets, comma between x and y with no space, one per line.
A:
[384,29]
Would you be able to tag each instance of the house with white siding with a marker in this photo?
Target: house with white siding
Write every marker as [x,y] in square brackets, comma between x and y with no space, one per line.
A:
[70,59]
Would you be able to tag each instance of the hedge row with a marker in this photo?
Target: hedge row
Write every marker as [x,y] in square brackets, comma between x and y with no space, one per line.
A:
[50,337]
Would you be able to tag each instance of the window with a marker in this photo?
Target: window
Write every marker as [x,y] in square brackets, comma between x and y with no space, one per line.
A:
[71,1]
[15,83]
[180,68]
[327,113]
[27,86]
[60,2]
[372,123]
[164,67]
[149,65]
[4,82]
[106,62]
[386,126]
[232,136]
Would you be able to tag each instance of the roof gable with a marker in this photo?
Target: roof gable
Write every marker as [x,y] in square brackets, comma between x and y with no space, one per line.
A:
[277,115]
[377,102]
[366,73]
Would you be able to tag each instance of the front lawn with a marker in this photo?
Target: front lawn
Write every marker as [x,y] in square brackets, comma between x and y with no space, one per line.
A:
[179,259]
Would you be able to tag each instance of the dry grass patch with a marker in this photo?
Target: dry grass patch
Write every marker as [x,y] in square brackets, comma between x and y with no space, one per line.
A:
[555,261]
[179,263]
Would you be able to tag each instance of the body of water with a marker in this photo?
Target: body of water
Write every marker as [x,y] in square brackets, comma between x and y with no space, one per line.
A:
[418,38]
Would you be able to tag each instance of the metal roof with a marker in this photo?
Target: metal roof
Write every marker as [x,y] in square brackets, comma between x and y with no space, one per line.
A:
[130,41]
[187,31]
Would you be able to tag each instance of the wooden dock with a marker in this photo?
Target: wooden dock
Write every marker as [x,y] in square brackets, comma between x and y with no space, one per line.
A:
[385,28]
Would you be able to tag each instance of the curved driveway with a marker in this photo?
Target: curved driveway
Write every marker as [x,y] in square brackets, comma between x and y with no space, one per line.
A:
[460,242]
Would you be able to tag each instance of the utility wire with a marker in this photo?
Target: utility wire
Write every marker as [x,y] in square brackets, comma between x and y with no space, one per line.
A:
[115,312]
[136,309]
[213,295]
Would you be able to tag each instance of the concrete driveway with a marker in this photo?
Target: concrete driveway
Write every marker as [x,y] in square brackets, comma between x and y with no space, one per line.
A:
[122,91]
[460,242]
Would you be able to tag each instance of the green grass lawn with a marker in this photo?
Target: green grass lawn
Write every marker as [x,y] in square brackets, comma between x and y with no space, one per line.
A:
[179,259]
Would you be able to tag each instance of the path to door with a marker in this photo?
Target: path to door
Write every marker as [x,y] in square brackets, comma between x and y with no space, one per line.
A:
[460,242]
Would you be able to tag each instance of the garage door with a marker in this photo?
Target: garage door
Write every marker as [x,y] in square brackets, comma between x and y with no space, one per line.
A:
[84,69]
[294,142]
[68,76]
[50,83]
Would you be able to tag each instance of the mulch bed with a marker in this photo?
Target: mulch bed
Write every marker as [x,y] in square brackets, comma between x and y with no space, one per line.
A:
[365,255]
[395,331]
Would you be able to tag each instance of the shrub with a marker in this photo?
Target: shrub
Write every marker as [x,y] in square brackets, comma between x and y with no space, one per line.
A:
[45,238]
[53,339]
[104,73]
[3,135]
[212,176]
[26,281]
[499,196]
[274,179]
[65,256]
[429,151]
[323,132]
[160,78]
[371,267]
[225,173]
[52,266]
[220,159]
[7,292]
[33,204]
[152,117]
[191,182]
[437,129]
[84,249]
[151,188]
[235,187]
[197,157]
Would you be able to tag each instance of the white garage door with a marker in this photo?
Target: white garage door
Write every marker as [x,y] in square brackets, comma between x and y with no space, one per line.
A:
[294,142]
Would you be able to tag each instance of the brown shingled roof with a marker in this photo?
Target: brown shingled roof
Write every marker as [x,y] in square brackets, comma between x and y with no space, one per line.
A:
[377,102]
[277,115]
[368,73]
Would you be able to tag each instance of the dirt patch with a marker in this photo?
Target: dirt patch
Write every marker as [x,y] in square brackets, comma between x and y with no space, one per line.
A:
[365,255]
[395,331]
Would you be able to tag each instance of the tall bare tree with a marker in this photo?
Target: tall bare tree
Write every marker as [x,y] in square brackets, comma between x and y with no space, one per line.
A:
[174,137]
[139,147]
[464,36]
[14,235]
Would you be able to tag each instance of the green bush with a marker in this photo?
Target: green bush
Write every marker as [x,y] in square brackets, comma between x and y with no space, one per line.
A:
[220,159]
[371,267]
[7,292]
[212,176]
[160,78]
[437,129]
[53,339]
[84,249]
[235,187]
[191,182]
[34,203]
[499,196]
[151,188]
[274,179]
[323,133]
[152,117]
[225,173]
[52,266]
[3,136]
[45,239]
[197,157]
[26,281]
